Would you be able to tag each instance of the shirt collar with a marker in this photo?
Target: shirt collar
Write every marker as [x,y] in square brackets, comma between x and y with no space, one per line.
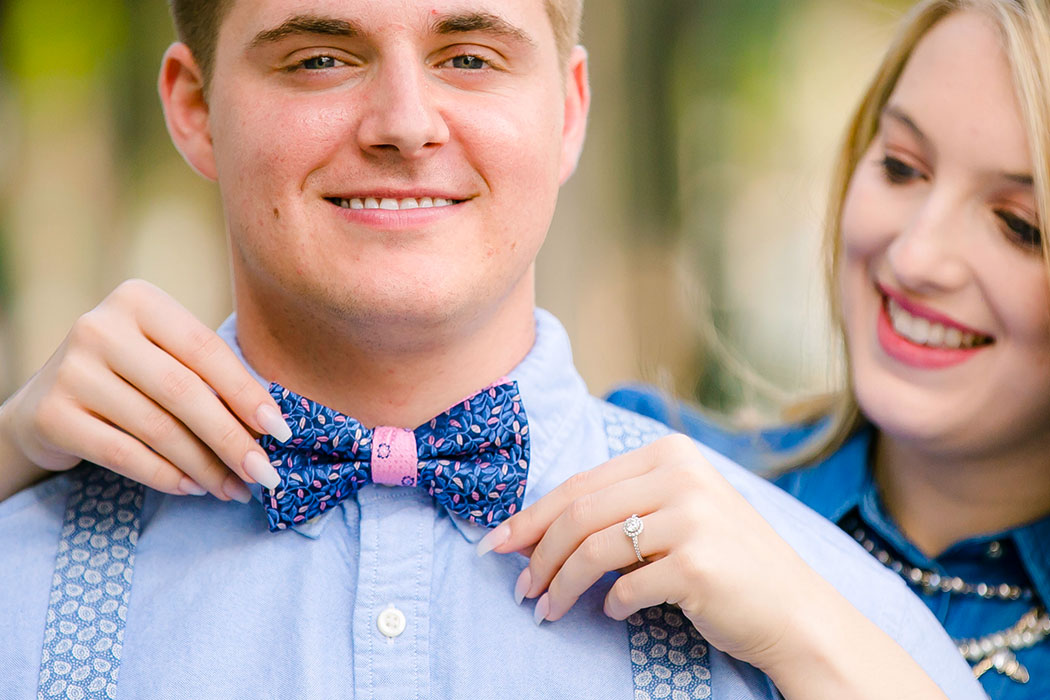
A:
[835,486]
[552,392]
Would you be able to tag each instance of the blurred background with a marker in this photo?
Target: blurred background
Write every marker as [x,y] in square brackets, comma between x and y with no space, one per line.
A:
[685,250]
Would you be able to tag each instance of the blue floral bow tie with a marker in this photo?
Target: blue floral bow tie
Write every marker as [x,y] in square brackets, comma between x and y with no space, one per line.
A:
[473,458]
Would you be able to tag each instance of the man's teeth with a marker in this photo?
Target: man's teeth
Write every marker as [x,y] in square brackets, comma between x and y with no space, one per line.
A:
[391,204]
[930,333]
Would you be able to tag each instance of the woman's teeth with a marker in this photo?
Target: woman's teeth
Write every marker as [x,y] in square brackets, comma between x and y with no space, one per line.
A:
[930,333]
[392,204]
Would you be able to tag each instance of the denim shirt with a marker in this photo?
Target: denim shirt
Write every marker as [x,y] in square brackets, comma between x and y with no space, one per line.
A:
[841,489]
[221,608]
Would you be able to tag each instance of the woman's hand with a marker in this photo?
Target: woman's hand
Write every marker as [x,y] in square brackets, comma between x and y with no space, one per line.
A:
[709,552]
[706,549]
[143,388]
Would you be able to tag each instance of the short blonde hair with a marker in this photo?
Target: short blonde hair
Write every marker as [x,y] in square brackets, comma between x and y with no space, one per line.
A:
[565,17]
[1024,28]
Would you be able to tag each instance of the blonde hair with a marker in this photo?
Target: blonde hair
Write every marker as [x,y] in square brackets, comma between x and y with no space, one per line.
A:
[565,17]
[1024,27]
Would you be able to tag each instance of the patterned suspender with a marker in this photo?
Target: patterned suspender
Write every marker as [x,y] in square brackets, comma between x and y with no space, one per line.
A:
[90,588]
[95,564]
[669,658]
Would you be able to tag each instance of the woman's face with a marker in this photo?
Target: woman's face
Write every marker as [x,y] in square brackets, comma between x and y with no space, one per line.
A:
[944,289]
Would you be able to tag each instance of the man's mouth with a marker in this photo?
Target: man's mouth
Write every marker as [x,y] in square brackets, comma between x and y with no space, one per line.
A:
[930,333]
[392,203]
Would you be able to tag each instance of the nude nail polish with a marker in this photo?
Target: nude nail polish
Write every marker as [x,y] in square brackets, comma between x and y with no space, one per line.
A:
[272,422]
[235,489]
[522,586]
[492,540]
[259,468]
[191,488]
[543,608]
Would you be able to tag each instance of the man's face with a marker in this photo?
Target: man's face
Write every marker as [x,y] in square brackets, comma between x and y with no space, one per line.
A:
[391,161]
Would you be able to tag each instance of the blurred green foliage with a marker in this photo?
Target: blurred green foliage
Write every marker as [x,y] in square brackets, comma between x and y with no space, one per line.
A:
[78,39]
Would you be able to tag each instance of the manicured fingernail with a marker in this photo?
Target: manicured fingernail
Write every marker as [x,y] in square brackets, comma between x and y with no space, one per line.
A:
[191,488]
[271,421]
[259,468]
[235,489]
[543,608]
[522,586]
[492,540]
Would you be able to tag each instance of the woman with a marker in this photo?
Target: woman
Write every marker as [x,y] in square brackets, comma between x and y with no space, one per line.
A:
[797,630]
[937,457]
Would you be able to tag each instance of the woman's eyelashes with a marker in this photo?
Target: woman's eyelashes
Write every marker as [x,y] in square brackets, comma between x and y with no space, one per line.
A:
[898,172]
[1024,234]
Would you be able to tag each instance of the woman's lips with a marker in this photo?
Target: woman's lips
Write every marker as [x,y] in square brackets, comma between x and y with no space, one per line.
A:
[917,342]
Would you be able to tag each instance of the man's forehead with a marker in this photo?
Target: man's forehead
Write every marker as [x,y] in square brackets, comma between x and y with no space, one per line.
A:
[377,17]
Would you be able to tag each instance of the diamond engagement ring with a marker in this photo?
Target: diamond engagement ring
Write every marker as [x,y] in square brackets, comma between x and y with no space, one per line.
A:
[632,527]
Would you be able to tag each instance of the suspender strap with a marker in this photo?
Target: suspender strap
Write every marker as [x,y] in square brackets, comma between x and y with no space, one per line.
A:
[91,587]
[669,658]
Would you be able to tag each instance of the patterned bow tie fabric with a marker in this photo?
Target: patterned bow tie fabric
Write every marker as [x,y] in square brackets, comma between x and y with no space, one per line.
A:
[473,458]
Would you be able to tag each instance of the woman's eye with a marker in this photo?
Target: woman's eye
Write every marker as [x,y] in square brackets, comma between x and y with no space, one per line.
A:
[468,62]
[1020,231]
[897,171]
[319,63]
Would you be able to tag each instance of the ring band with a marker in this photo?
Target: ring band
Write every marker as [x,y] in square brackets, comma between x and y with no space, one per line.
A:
[632,527]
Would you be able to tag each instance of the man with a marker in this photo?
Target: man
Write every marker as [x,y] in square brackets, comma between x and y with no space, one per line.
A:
[389,170]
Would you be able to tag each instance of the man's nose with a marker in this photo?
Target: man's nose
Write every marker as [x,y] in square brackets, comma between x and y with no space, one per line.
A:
[401,114]
[929,253]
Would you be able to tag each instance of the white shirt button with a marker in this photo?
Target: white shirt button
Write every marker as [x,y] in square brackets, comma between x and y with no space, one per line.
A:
[391,622]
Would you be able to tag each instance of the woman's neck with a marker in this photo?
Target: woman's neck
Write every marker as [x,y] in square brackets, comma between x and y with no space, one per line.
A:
[938,500]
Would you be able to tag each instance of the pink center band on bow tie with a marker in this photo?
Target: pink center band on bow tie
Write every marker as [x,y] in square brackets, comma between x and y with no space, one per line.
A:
[395,460]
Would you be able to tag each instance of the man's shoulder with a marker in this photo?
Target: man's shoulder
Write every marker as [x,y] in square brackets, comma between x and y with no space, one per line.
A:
[626,430]
[41,503]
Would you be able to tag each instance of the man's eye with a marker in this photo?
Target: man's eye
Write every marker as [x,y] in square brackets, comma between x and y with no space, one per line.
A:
[1022,233]
[468,62]
[319,63]
[897,171]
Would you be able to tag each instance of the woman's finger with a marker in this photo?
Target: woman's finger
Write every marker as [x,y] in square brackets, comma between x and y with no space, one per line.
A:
[95,440]
[175,330]
[642,588]
[119,403]
[586,517]
[610,550]
[527,527]
[183,394]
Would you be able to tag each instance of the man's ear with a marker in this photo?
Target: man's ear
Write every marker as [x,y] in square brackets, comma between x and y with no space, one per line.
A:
[577,105]
[181,86]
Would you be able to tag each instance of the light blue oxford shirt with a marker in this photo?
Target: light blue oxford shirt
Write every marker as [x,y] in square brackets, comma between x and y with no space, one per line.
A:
[383,596]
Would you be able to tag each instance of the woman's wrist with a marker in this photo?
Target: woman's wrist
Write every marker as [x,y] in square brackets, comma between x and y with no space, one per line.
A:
[17,472]
[831,650]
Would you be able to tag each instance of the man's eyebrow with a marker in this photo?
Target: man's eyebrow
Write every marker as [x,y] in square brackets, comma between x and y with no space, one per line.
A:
[305,24]
[483,22]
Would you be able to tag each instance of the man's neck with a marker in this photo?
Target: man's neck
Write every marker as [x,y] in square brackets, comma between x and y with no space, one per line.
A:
[938,500]
[383,379]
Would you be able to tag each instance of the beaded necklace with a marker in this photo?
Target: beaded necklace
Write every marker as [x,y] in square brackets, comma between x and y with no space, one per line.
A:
[992,651]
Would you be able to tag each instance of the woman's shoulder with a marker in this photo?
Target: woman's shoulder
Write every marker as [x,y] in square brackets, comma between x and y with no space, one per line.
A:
[754,448]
